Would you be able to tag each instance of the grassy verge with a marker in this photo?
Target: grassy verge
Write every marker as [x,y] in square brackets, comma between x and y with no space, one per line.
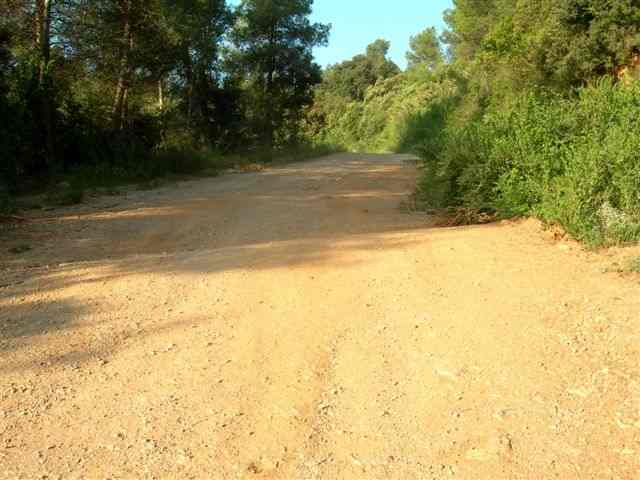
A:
[166,166]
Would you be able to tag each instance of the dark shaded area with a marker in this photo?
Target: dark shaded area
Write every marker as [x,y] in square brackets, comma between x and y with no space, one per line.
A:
[111,91]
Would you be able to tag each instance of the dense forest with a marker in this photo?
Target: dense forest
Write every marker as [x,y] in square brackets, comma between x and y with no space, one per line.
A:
[517,108]
[130,89]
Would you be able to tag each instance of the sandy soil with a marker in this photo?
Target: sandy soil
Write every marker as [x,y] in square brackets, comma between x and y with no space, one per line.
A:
[297,324]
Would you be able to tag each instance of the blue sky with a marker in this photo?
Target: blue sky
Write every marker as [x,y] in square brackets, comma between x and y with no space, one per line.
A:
[357,23]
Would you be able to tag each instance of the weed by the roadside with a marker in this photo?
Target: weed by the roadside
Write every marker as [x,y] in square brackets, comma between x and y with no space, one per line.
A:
[634,265]
[67,193]
[459,217]
[630,265]
[151,172]
[251,167]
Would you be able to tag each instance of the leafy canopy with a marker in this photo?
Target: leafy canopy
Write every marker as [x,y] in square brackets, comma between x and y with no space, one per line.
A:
[425,50]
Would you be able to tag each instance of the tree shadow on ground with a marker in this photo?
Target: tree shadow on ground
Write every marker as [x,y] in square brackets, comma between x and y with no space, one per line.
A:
[324,214]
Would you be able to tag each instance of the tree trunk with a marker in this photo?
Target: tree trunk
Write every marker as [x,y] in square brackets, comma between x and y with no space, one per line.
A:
[125,106]
[43,40]
[270,94]
[160,94]
[188,67]
[124,72]
[43,36]
[269,131]
[161,105]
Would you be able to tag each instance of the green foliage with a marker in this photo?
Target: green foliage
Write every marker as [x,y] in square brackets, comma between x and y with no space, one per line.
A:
[182,161]
[120,91]
[519,121]
[349,80]
[425,50]
[502,128]
[572,162]
[634,265]
[556,43]
[274,41]
[366,103]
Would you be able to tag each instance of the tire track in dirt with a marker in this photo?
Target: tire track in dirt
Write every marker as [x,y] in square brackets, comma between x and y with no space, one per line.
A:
[297,324]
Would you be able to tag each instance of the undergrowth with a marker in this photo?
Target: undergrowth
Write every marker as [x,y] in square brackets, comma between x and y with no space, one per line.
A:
[152,171]
[569,161]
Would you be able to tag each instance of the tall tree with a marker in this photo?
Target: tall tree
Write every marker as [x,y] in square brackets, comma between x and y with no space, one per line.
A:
[598,36]
[274,41]
[30,23]
[469,21]
[200,26]
[43,20]
[43,35]
[6,140]
[351,78]
[425,49]
[128,46]
[126,13]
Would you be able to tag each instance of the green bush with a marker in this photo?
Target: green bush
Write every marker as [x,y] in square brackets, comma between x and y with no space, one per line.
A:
[634,265]
[386,119]
[573,161]
[182,161]
[68,193]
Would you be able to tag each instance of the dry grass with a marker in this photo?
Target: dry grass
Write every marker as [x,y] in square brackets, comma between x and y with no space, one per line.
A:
[250,167]
[633,265]
[460,216]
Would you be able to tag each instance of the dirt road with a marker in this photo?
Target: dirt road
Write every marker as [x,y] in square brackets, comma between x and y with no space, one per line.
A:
[297,324]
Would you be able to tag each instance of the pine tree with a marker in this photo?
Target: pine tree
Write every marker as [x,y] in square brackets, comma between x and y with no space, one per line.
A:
[274,41]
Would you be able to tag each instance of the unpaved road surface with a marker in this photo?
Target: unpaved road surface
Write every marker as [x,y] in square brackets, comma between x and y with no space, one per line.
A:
[297,324]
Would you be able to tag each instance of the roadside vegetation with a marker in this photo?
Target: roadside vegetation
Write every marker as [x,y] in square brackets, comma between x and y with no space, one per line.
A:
[110,92]
[518,108]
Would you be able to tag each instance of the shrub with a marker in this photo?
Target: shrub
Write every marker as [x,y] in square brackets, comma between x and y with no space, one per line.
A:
[68,193]
[386,119]
[634,265]
[182,161]
[572,161]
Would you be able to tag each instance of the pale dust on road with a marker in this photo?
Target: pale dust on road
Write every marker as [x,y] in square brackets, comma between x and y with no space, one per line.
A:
[298,324]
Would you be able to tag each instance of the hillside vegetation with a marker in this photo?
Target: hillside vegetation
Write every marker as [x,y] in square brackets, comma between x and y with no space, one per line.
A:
[518,108]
